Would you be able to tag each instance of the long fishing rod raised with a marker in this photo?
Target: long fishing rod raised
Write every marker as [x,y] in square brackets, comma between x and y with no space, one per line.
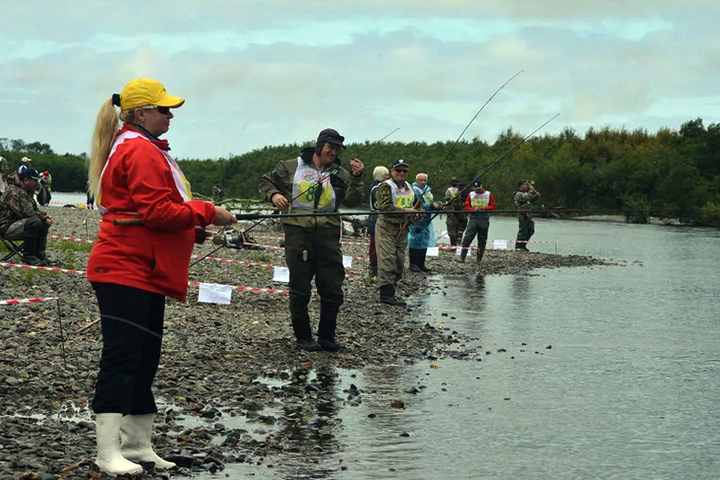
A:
[437,170]
[499,159]
[447,155]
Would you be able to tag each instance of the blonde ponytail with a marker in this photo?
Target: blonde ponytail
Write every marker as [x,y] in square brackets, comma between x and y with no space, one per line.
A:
[106,128]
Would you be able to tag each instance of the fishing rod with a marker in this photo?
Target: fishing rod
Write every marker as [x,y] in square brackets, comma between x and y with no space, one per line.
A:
[137,221]
[498,160]
[507,153]
[324,175]
[470,123]
[447,155]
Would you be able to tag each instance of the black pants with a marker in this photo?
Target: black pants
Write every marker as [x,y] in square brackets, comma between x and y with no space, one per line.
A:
[476,226]
[314,253]
[132,328]
[526,229]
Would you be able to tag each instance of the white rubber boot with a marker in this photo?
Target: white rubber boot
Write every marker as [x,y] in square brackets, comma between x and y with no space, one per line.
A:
[109,459]
[135,443]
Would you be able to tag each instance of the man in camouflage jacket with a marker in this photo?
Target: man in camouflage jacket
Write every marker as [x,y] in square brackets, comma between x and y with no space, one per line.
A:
[315,182]
[20,218]
[524,196]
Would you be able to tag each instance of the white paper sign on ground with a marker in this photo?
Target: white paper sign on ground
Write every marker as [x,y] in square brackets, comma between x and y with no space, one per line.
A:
[500,244]
[281,274]
[347,261]
[433,251]
[215,293]
[459,250]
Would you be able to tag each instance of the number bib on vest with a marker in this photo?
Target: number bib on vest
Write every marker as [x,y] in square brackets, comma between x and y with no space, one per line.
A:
[402,197]
[478,200]
[308,184]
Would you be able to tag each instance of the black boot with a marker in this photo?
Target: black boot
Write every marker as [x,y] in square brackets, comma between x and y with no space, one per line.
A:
[463,254]
[303,334]
[387,295]
[326,329]
[414,264]
[422,254]
[480,253]
[30,250]
[41,243]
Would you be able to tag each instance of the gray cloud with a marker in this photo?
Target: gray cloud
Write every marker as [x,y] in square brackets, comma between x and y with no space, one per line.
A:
[277,72]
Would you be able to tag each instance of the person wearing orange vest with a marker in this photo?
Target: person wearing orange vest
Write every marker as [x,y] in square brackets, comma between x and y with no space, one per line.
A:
[479,203]
[133,267]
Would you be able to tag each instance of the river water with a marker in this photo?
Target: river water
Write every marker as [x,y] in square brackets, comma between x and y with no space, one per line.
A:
[608,372]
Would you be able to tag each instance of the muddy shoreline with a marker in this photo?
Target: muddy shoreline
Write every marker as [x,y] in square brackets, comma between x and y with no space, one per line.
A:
[218,362]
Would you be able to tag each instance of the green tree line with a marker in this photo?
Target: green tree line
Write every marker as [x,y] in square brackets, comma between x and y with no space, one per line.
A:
[668,174]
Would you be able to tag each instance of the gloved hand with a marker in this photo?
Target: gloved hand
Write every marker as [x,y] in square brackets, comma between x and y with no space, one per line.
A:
[417,230]
[200,235]
[340,187]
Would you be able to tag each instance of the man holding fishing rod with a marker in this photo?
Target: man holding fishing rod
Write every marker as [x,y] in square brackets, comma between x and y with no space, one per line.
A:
[479,203]
[524,196]
[391,231]
[315,182]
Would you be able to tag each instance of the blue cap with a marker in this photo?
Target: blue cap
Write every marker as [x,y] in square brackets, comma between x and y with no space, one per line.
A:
[399,162]
[29,172]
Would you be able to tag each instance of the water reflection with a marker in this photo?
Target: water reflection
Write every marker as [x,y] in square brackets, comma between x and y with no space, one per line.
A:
[389,449]
[309,424]
[521,290]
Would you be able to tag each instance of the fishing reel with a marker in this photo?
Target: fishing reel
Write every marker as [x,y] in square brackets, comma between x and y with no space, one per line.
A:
[234,237]
[229,237]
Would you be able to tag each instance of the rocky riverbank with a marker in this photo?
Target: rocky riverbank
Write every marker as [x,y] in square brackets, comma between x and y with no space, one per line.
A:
[219,361]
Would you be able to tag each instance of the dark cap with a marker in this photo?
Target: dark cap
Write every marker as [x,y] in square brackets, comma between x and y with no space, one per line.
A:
[30,172]
[454,181]
[331,136]
[400,162]
[477,184]
[522,181]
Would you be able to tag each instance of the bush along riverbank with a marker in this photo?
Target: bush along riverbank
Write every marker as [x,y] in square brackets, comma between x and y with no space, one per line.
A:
[226,370]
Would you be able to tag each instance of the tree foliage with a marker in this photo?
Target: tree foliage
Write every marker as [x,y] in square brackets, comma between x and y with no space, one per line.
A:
[668,174]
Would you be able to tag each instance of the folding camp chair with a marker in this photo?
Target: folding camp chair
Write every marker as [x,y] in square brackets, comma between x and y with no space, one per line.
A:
[13,248]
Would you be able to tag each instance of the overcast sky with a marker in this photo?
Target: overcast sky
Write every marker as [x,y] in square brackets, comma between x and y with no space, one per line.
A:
[270,72]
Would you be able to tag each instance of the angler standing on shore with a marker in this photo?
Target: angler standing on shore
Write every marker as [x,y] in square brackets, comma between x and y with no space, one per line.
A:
[315,182]
[479,203]
[524,196]
[422,235]
[380,174]
[456,222]
[132,268]
[393,195]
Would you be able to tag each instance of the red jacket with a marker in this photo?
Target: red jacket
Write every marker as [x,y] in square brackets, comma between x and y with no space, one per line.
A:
[153,256]
[491,204]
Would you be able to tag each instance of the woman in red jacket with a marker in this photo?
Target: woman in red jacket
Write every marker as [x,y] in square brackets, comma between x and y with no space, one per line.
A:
[133,267]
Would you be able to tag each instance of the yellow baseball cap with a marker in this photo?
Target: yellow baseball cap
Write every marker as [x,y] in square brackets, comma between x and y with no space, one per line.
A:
[146,91]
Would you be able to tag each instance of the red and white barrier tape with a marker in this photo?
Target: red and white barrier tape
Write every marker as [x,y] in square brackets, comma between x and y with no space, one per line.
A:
[241,288]
[18,301]
[46,269]
[247,264]
[62,270]
[70,239]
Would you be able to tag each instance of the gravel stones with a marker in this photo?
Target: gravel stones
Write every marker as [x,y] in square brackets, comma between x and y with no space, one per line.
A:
[228,373]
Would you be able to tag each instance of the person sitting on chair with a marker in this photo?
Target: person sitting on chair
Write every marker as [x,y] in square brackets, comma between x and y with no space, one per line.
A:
[20,218]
